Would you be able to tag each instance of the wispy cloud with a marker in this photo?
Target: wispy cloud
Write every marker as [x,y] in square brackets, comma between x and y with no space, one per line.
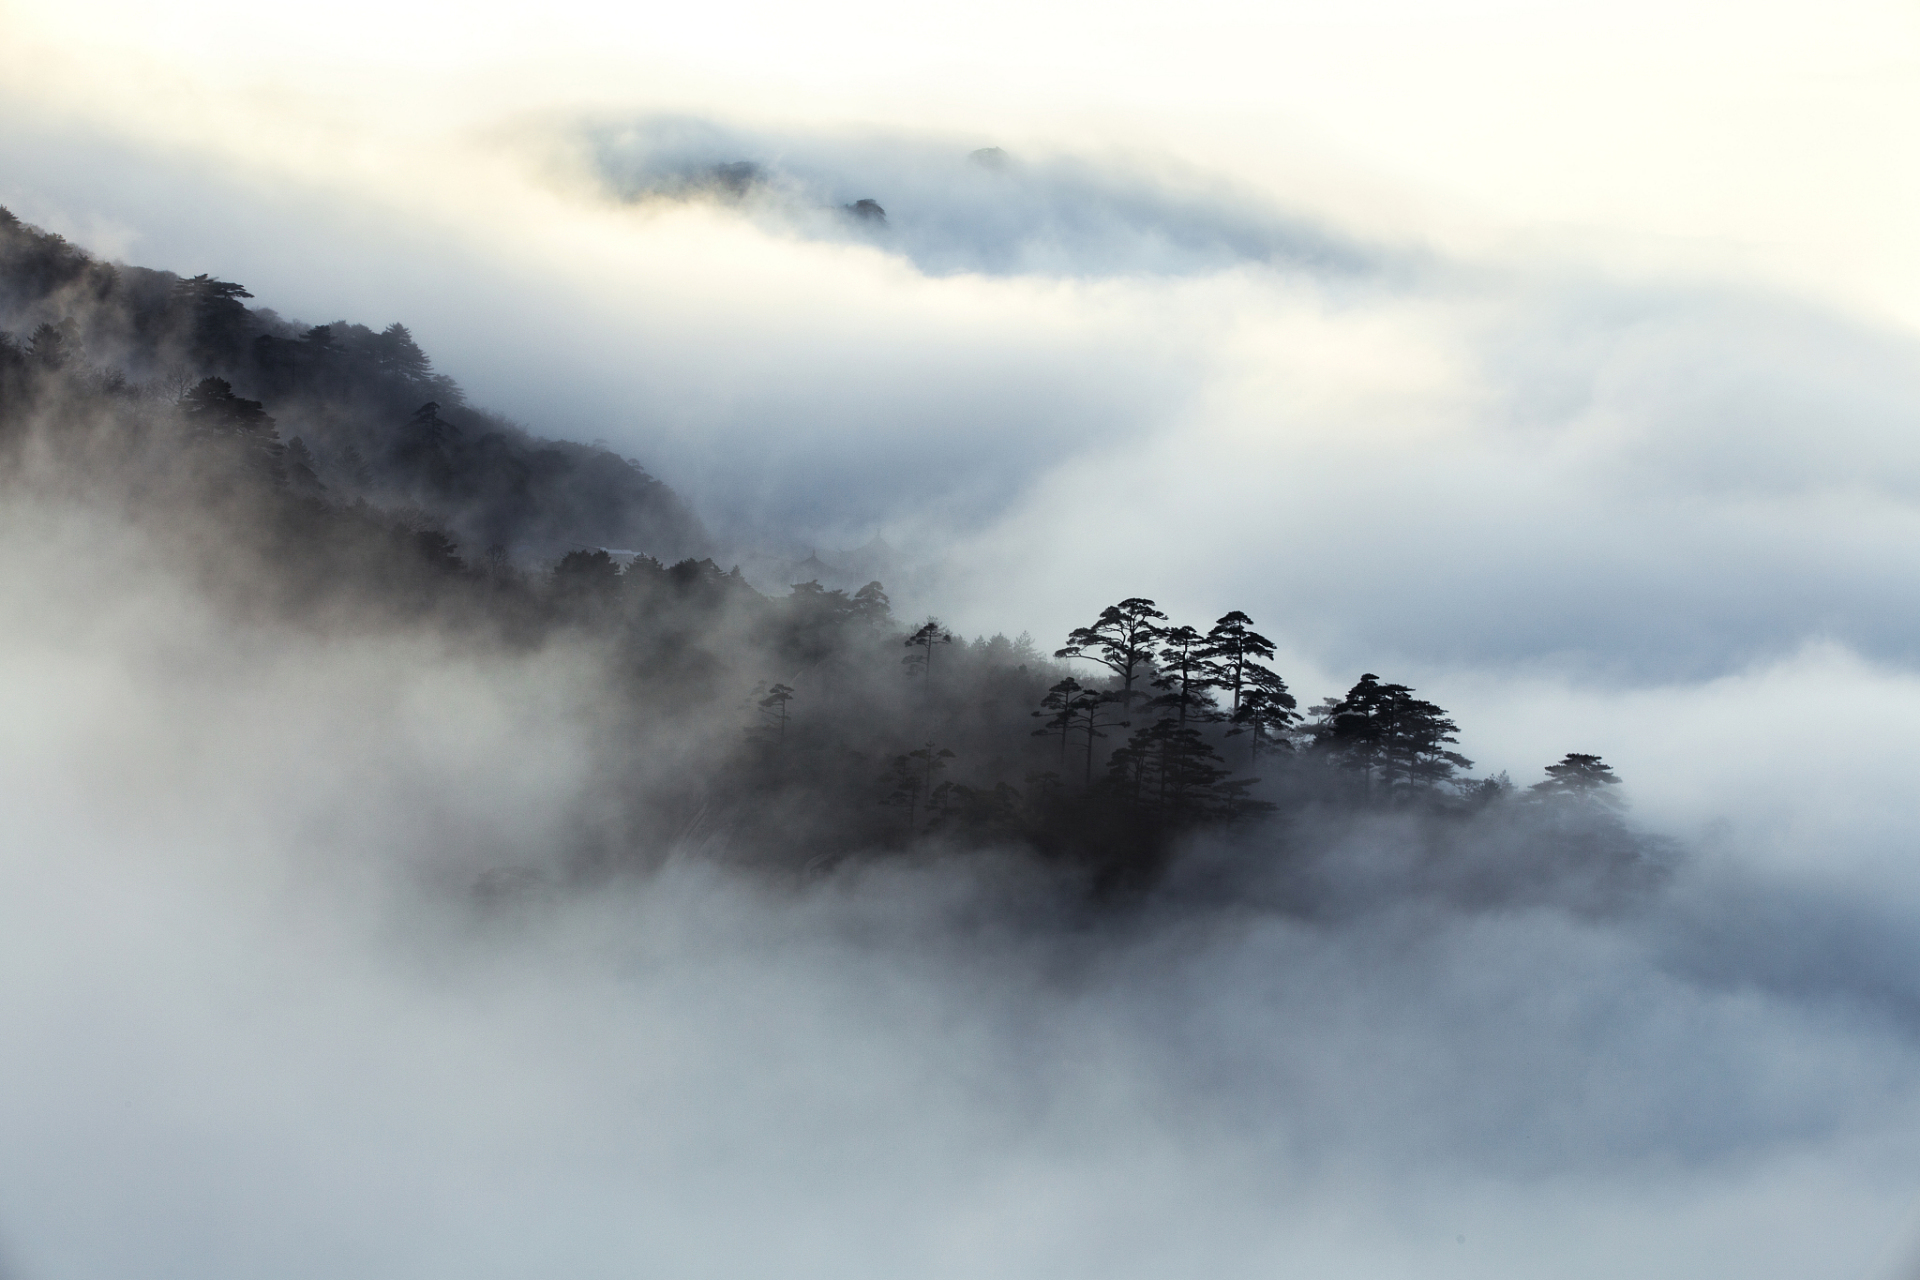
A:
[950,207]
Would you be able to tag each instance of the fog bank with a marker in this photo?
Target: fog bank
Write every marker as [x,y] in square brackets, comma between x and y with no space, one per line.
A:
[1561,365]
[261,1021]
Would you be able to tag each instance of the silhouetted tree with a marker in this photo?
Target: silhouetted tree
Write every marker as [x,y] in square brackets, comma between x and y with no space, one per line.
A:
[1086,715]
[1072,708]
[816,621]
[1169,767]
[322,361]
[774,708]
[1396,743]
[214,414]
[1057,709]
[1265,714]
[1187,676]
[988,813]
[1233,800]
[1238,651]
[51,346]
[211,406]
[871,605]
[1582,778]
[926,639]
[424,447]
[13,370]
[1478,793]
[583,576]
[395,352]
[219,319]
[1124,639]
[1351,731]
[1416,758]
[1127,768]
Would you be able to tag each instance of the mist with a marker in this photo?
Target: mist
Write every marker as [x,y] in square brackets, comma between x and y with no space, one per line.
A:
[1699,472]
[315,963]
[259,1020]
[360,917]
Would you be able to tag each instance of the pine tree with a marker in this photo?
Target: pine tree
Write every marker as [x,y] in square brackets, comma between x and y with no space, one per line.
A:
[773,708]
[1583,779]
[1071,708]
[1170,768]
[1396,743]
[218,318]
[425,447]
[1266,714]
[1124,639]
[1261,704]
[1350,731]
[217,415]
[211,406]
[1238,651]
[586,575]
[51,345]
[926,639]
[870,603]
[1187,677]
[1057,709]
[1416,758]
[395,352]
[319,358]
[1086,715]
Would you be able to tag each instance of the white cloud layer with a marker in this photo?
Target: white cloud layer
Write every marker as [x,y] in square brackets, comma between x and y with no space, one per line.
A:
[1560,362]
[249,1033]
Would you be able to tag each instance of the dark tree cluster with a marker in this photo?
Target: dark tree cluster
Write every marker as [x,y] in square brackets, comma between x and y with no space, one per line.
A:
[328,475]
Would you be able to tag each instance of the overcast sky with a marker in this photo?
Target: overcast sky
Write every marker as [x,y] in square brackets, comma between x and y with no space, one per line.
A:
[1562,360]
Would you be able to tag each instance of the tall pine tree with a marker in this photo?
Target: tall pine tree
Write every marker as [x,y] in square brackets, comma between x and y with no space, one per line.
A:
[1124,639]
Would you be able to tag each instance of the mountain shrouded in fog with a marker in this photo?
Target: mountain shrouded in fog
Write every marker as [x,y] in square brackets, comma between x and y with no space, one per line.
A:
[361,415]
[1380,754]
[805,729]
[949,210]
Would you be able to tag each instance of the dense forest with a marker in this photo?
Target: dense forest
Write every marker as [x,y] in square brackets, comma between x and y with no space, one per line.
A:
[329,476]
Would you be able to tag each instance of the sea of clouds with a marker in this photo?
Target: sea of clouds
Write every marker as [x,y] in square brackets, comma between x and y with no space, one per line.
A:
[260,1021]
[254,1026]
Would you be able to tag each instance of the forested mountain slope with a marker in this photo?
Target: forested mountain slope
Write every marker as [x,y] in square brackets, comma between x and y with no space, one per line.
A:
[327,479]
[362,413]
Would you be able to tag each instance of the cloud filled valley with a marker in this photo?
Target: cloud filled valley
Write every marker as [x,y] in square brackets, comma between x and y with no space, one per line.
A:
[261,1021]
[412,865]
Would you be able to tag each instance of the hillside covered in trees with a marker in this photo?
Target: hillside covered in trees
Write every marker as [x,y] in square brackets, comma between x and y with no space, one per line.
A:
[327,476]
[358,414]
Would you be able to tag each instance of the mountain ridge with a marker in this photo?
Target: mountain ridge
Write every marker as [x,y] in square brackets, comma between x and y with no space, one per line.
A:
[362,413]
